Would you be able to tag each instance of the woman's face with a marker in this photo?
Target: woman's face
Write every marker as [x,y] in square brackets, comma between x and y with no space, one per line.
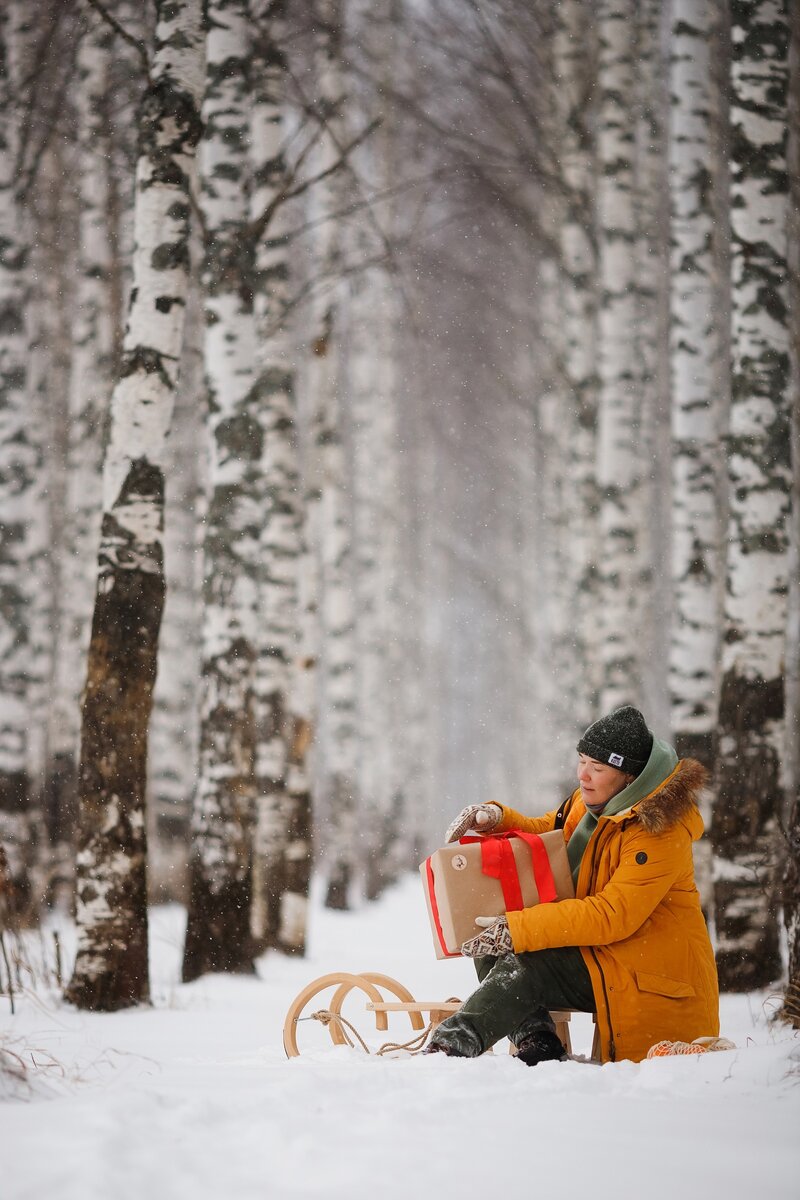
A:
[599,782]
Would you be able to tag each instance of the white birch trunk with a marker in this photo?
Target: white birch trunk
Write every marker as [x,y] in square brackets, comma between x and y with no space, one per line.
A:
[89,393]
[282,851]
[653,582]
[619,471]
[326,480]
[791,890]
[575,58]
[17,480]
[752,701]
[53,211]
[174,729]
[695,348]
[218,928]
[558,511]
[111,966]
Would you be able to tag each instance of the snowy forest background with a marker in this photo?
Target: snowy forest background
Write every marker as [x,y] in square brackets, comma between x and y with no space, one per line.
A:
[435,366]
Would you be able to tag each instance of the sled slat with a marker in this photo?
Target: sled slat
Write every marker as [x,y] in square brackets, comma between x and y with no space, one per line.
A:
[414,1006]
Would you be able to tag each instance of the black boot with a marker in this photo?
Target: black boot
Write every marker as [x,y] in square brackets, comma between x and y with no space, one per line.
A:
[435,1048]
[541,1046]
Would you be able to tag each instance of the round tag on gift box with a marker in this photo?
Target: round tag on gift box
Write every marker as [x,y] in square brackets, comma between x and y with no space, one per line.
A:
[458,862]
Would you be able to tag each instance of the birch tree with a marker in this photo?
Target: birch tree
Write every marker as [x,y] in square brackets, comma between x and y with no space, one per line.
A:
[327,513]
[17,479]
[694,348]
[695,341]
[752,698]
[619,469]
[174,726]
[575,64]
[791,890]
[89,391]
[282,836]
[371,373]
[651,205]
[111,965]
[218,928]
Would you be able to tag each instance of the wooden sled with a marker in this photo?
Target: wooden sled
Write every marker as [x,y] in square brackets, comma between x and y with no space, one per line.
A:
[372,985]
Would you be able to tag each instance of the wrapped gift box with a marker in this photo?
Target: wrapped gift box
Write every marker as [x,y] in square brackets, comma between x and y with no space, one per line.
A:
[488,876]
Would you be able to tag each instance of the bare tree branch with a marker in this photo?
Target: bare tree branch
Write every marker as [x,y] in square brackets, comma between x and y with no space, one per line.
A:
[138,45]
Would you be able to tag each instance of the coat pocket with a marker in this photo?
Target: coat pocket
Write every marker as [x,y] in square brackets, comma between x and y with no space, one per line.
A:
[662,986]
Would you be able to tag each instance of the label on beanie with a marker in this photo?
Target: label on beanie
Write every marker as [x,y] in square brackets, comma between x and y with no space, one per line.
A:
[616,760]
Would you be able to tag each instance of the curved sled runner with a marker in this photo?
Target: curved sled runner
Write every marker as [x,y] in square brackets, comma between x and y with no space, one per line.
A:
[372,985]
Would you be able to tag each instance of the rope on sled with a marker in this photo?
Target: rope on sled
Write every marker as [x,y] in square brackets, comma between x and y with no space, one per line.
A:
[414,1045]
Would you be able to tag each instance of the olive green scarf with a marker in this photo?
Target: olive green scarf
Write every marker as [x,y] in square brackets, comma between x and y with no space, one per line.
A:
[661,763]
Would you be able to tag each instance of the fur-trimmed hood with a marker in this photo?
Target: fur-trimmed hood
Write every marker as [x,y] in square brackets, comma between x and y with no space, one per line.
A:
[674,799]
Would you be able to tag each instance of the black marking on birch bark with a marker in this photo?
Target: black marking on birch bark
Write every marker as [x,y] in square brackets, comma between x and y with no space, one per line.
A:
[790,897]
[12,320]
[15,802]
[13,791]
[171,256]
[275,382]
[165,106]
[759,965]
[229,266]
[241,436]
[164,303]
[744,832]
[297,866]
[60,798]
[146,360]
[119,547]
[702,746]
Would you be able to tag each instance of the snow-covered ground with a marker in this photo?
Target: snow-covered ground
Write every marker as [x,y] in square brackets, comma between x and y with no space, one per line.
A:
[195,1100]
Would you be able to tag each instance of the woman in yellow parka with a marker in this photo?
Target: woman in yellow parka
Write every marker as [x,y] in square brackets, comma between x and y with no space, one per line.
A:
[632,946]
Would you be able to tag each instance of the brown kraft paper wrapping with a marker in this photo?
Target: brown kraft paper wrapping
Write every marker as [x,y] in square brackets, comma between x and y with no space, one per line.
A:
[462,892]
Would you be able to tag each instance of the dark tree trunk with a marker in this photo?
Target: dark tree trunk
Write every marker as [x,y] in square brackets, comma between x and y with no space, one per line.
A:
[111,964]
[218,937]
[111,786]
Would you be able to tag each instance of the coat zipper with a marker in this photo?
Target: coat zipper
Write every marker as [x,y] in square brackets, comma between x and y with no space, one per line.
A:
[612,1049]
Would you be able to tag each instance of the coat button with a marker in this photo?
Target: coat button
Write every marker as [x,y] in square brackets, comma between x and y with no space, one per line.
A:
[641,858]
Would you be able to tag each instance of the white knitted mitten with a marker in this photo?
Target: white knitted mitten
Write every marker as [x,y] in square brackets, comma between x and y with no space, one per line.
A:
[494,940]
[480,818]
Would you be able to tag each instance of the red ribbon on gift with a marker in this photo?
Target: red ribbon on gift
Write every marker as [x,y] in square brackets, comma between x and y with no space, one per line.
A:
[497,861]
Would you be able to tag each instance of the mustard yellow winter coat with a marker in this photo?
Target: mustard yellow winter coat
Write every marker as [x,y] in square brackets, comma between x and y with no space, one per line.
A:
[636,917]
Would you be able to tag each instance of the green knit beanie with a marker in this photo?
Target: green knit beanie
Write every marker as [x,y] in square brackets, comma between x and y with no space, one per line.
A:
[621,739]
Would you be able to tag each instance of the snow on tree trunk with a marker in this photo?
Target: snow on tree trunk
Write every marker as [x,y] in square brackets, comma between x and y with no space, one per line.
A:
[281,846]
[89,392]
[218,928]
[335,755]
[619,470]
[752,698]
[17,481]
[111,966]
